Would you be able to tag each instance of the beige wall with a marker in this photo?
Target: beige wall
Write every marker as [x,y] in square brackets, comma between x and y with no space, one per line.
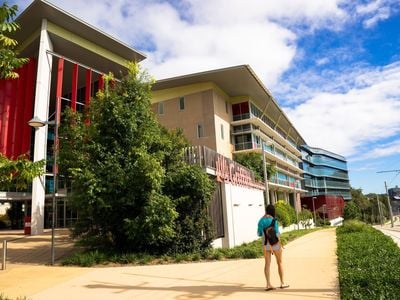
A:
[199,109]
[222,118]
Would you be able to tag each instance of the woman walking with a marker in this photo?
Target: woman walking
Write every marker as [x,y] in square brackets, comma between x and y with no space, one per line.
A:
[265,222]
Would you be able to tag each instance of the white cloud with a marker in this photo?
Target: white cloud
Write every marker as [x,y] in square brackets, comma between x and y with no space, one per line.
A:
[375,11]
[196,35]
[346,122]
[384,150]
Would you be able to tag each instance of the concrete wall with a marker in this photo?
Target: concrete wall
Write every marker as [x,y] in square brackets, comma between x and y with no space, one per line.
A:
[223,117]
[199,109]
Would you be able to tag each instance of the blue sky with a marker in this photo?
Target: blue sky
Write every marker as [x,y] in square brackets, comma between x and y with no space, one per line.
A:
[333,65]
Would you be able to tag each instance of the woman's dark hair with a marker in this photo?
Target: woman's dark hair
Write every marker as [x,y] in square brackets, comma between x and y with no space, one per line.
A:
[271,210]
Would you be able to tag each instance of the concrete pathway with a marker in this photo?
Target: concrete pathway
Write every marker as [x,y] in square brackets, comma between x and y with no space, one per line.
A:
[393,232]
[310,265]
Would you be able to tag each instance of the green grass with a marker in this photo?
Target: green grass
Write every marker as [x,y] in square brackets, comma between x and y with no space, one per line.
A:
[245,251]
[369,263]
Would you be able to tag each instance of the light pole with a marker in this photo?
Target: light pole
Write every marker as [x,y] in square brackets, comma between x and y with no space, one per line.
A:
[323,211]
[37,123]
[313,205]
[389,205]
[265,173]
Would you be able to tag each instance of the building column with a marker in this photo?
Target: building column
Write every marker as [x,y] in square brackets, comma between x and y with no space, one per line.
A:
[41,110]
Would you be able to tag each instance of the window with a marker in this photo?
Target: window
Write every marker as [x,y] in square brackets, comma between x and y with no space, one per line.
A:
[200,131]
[226,107]
[182,103]
[222,131]
[160,108]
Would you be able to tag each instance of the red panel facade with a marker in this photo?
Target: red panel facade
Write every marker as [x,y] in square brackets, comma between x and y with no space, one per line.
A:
[74,91]
[16,104]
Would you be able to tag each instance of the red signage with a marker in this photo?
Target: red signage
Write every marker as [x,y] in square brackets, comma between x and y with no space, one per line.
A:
[230,171]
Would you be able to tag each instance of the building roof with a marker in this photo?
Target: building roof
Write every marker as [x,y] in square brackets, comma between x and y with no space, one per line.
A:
[30,21]
[238,81]
[321,151]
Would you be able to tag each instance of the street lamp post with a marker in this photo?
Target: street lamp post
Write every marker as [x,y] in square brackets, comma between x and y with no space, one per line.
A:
[37,123]
[265,174]
[315,217]
[389,205]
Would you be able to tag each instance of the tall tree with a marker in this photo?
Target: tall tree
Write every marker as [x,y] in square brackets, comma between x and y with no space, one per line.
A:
[9,60]
[119,164]
[254,162]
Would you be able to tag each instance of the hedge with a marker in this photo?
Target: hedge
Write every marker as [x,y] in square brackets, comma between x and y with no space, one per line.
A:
[368,263]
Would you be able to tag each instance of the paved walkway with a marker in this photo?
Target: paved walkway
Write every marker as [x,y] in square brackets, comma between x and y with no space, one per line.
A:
[393,232]
[310,266]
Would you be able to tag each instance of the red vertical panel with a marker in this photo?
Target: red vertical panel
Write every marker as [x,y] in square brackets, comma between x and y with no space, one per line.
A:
[19,112]
[75,70]
[88,92]
[28,106]
[11,119]
[58,105]
[6,115]
[60,71]
[101,82]
[1,112]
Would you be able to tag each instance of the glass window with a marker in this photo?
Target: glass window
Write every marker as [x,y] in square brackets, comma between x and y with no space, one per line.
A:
[181,103]
[222,131]
[160,108]
[200,130]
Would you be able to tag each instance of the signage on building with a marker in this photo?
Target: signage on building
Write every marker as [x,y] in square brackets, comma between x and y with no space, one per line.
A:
[230,171]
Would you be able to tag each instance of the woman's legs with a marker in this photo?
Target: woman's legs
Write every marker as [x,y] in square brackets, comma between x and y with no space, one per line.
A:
[278,256]
[267,256]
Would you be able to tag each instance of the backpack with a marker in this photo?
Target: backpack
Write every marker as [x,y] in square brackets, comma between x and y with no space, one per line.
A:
[270,234]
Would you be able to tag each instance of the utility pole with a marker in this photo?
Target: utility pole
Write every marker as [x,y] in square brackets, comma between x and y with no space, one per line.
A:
[387,194]
[379,209]
[389,206]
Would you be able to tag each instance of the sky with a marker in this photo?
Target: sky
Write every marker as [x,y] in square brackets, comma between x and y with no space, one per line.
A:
[332,65]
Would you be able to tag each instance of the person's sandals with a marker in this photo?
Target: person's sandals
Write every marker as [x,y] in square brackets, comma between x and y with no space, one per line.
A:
[284,286]
[270,288]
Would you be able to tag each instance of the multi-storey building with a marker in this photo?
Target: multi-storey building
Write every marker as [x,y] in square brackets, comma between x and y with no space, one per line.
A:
[230,111]
[325,173]
[67,59]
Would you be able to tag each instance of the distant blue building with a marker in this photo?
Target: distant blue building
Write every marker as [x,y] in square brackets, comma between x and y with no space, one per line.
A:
[325,173]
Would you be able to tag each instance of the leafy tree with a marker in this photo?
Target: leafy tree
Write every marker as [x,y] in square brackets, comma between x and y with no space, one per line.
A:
[124,167]
[192,189]
[351,211]
[8,56]
[254,162]
[18,173]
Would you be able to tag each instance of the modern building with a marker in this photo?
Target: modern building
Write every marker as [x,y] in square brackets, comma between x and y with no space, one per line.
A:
[223,112]
[231,111]
[67,60]
[325,173]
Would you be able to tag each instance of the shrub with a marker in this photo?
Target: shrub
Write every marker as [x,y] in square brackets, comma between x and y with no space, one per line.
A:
[304,217]
[285,214]
[368,263]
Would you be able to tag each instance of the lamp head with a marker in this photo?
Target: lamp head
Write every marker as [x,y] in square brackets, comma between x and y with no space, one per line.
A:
[35,122]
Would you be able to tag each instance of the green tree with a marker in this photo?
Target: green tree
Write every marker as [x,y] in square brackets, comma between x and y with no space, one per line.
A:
[124,168]
[351,211]
[18,173]
[9,61]
[254,162]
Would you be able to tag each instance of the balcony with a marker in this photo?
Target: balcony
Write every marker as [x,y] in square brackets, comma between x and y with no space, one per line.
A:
[249,118]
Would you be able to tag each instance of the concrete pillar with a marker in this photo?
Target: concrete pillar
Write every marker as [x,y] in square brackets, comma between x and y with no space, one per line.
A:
[41,110]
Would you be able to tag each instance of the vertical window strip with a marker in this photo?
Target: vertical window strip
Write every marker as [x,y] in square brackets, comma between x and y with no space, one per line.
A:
[182,103]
